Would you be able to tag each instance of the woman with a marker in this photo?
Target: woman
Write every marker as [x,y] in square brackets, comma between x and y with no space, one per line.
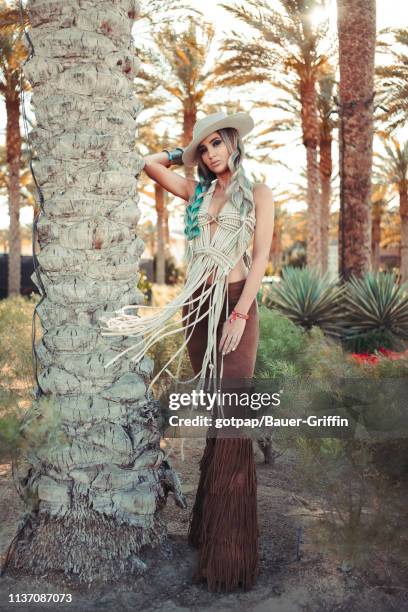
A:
[220,322]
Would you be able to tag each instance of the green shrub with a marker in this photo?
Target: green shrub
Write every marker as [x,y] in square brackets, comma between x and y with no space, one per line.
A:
[280,341]
[370,341]
[308,299]
[323,357]
[145,286]
[15,333]
[361,512]
[376,312]
[16,368]
[9,433]
[391,458]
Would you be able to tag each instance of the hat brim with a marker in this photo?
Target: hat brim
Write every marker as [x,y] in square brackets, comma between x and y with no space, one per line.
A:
[240,121]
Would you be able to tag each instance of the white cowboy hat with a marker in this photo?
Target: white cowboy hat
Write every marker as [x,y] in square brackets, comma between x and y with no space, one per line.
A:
[211,123]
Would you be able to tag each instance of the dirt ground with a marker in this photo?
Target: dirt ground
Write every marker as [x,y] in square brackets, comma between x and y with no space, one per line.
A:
[313,583]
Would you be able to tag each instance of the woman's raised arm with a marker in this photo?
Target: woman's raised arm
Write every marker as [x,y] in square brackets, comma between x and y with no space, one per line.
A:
[157,167]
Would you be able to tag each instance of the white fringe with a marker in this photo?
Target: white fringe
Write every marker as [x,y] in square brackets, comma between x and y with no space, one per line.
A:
[216,255]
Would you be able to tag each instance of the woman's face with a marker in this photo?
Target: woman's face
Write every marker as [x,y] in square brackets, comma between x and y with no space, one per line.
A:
[214,153]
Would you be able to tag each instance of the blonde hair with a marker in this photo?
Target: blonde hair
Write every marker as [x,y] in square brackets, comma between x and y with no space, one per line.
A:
[239,190]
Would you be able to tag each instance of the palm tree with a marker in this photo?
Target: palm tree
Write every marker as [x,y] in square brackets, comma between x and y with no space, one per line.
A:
[394,168]
[260,144]
[27,186]
[174,76]
[276,252]
[94,490]
[12,55]
[379,204]
[393,79]
[153,13]
[286,55]
[391,228]
[327,124]
[176,65]
[154,143]
[356,24]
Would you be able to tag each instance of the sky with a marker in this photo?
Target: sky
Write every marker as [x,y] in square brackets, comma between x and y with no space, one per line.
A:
[390,13]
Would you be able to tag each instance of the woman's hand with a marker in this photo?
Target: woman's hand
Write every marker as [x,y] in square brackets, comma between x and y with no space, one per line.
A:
[231,335]
[157,168]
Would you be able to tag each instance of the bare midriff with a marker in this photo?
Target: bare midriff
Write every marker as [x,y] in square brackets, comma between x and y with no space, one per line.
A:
[239,272]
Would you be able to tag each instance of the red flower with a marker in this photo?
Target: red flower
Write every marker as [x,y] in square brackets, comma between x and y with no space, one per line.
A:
[384,352]
[394,355]
[365,357]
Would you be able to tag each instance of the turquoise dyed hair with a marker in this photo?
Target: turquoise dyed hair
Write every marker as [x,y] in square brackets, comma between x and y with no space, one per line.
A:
[191,229]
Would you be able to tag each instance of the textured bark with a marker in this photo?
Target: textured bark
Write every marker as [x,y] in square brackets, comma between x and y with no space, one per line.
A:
[403,197]
[166,226]
[326,126]
[325,168]
[376,235]
[310,128]
[95,491]
[357,36]
[13,144]
[189,119]
[152,242]
[275,254]
[160,254]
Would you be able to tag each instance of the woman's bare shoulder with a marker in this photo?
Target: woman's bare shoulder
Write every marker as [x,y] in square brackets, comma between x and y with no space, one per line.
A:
[262,189]
[263,195]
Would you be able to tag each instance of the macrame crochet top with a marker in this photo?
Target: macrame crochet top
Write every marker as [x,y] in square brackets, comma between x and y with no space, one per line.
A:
[206,255]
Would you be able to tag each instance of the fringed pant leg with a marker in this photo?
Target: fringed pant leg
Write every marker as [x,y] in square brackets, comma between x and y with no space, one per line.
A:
[228,542]
[196,349]
[225,513]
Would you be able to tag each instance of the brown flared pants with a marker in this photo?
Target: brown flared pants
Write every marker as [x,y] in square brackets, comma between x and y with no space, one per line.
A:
[224,524]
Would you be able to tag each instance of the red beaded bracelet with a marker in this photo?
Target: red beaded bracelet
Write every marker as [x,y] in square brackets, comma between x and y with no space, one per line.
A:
[235,315]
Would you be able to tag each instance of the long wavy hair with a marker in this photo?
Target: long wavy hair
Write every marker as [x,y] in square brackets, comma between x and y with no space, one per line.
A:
[239,190]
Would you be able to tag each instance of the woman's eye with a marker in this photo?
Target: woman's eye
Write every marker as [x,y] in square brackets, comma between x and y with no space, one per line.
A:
[217,142]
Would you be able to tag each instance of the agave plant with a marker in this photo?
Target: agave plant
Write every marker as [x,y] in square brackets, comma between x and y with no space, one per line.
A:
[309,298]
[376,305]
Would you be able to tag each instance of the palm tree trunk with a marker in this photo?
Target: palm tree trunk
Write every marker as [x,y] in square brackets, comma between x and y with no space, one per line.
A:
[95,491]
[189,119]
[13,144]
[160,255]
[310,128]
[403,196]
[275,254]
[357,36]
[376,236]
[152,242]
[166,226]
[325,168]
